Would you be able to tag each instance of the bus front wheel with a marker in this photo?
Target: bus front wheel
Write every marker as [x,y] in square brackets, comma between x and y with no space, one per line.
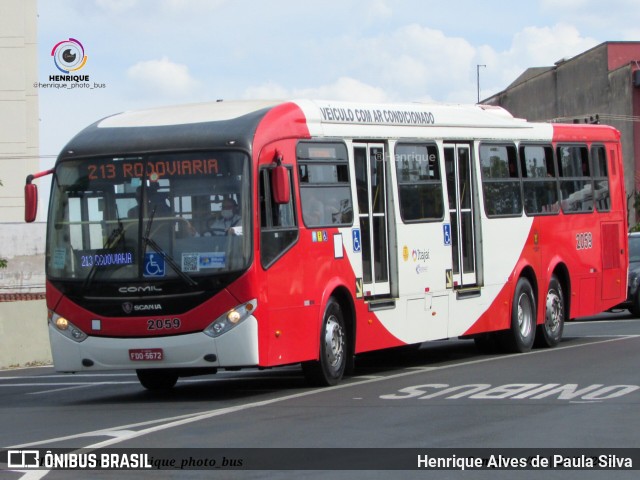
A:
[519,338]
[330,367]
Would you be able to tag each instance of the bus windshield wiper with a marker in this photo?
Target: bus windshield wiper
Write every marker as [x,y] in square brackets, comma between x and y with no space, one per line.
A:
[116,235]
[148,241]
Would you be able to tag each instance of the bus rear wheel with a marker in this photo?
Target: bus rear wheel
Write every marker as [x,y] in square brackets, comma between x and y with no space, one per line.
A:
[519,338]
[550,332]
[157,379]
[635,305]
[330,367]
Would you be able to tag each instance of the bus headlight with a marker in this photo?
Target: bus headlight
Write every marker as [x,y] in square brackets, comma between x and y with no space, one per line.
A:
[66,328]
[233,317]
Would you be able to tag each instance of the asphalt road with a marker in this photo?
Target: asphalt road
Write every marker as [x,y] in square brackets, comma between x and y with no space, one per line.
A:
[583,394]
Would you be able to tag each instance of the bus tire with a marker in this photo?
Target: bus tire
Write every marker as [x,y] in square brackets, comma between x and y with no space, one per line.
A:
[519,338]
[153,379]
[330,368]
[549,333]
[635,305]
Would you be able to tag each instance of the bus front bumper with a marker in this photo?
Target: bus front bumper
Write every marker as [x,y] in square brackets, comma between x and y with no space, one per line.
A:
[236,348]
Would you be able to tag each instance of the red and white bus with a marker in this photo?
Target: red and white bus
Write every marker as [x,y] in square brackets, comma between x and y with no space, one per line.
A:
[186,239]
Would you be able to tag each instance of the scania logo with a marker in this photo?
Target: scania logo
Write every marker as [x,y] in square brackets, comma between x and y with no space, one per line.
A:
[144,289]
[150,306]
[129,307]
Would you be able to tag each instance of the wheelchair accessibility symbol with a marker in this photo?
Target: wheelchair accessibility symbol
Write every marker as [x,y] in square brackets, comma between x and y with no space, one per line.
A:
[446,233]
[355,235]
[154,265]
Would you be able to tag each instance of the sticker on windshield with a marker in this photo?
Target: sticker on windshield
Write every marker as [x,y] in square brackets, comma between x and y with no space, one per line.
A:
[154,265]
[212,260]
[190,262]
[59,258]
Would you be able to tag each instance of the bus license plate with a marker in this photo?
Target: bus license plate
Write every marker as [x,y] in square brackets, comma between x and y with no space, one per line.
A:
[146,354]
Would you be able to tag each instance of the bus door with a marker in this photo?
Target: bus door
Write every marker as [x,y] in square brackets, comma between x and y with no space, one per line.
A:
[457,159]
[371,184]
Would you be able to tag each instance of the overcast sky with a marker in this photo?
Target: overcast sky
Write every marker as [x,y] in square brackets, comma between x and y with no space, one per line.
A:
[150,53]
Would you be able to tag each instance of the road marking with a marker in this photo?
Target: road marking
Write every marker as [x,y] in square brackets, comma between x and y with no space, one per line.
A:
[512,391]
[70,375]
[75,387]
[65,386]
[589,322]
[607,336]
[125,432]
[31,474]
[62,384]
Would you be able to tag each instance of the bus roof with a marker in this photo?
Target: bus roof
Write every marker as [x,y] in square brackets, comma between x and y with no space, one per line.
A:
[212,124]
[324,112]
[328,118]
[186,114]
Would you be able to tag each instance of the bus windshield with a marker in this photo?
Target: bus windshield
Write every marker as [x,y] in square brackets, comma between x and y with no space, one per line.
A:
[153,217]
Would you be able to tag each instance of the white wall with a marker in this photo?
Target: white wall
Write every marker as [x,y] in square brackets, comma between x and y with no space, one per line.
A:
[23,246]
[24,339]
[18,104]
[23,324]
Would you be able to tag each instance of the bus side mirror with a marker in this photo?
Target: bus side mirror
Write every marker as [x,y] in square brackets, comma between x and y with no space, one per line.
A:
[280,185]
[31,196]
[30,202]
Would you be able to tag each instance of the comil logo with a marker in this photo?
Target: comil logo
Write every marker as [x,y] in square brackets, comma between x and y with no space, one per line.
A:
[69,55]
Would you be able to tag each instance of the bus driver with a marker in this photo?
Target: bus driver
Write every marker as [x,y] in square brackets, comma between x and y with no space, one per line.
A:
[228,222]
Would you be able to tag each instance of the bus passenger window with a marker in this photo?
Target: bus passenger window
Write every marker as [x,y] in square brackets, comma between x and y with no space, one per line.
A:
[576,186]
[325,191]
[500,180]
[601,196]
[539,185]
[419,183]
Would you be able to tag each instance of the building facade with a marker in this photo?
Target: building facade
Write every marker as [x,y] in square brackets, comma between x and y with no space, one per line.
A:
[18,104]
[600,85]
[20,244]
